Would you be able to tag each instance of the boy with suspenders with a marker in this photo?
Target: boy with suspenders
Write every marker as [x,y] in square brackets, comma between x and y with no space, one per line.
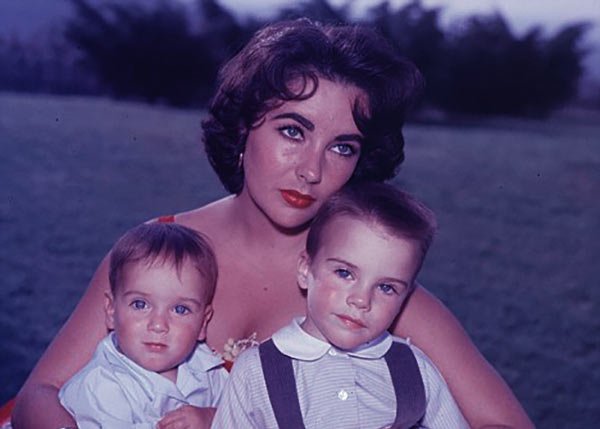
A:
[339,367]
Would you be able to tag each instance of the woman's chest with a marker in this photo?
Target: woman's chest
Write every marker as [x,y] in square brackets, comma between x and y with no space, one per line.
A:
[253,301]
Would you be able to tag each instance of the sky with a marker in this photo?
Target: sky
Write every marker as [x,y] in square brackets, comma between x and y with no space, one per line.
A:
[27,16]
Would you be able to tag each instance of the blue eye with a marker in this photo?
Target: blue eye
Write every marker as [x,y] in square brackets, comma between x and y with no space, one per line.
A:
[181,309]
[139,304]
[291,131]
[387,289]
[344,149]
[343,273]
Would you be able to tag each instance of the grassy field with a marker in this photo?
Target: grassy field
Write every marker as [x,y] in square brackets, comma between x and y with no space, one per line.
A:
[518,204]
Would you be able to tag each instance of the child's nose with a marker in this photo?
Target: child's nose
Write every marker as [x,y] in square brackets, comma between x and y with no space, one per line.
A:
[359,298]
[158,323]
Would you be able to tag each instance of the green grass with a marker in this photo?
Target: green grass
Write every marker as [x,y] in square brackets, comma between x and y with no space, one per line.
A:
[518,203]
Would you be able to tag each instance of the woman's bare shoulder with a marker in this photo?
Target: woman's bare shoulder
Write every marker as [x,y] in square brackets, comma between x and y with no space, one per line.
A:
[209,217]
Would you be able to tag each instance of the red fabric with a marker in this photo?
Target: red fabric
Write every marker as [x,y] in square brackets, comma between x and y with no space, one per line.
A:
[5,411]
[167,219]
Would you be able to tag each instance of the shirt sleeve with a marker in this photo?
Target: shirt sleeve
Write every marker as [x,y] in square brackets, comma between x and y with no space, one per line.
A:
[97,401]
[441,411]
[245,396]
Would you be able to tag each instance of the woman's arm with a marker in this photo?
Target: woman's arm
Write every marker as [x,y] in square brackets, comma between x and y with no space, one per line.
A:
[37,405]
[483,397]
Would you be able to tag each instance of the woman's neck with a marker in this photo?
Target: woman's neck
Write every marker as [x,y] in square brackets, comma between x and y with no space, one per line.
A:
[255,228]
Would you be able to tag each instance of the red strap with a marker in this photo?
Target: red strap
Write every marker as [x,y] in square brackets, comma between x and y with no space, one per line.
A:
[6,410]
[166,219]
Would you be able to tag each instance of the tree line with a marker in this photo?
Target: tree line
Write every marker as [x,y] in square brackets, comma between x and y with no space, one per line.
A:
[167,53]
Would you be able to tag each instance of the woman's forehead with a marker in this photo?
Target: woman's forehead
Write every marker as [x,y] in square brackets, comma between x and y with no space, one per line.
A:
[323,100]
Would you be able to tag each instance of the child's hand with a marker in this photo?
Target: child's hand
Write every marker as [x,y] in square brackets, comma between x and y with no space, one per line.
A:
[187,417]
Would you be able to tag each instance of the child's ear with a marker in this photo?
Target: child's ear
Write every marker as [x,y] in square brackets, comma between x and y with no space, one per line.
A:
[303,270]
[109,310]
[208,312]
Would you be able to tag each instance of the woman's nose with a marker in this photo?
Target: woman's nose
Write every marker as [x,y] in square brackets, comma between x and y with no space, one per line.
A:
[158,322]
[309,169]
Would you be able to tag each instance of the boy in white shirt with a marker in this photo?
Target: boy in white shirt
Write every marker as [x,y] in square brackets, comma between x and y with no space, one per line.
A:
[339,367]
[153,370]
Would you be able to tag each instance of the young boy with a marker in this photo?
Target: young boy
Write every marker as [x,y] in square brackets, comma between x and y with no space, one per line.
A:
[339,367]
[153,367]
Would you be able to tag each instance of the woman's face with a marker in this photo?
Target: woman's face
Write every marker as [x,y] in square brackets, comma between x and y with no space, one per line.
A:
[301,153]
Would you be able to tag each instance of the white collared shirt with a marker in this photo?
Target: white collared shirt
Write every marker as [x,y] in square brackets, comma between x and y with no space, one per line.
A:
[113,392]
[335,388]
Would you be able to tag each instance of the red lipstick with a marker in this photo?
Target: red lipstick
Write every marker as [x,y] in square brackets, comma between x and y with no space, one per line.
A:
[296,199]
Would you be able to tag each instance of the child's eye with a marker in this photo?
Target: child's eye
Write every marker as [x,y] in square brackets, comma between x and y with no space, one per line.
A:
[387,289]
[343,273]
[291,131]
[181,309]
[344,149]
[139,304]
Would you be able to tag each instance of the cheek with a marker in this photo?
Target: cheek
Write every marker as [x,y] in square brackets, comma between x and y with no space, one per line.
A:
[339,173]
[261,154]
[189,328]
[324,295]
[126,323]
[387,311]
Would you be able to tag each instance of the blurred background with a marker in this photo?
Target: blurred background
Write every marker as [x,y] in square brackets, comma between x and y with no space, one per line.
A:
[100,110]
[483,57]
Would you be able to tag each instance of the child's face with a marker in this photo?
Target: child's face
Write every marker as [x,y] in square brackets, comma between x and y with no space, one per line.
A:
[356,282]
[158,315]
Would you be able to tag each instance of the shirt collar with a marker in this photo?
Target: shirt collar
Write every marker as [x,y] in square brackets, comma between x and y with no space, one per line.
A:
[201,360]
[296,343]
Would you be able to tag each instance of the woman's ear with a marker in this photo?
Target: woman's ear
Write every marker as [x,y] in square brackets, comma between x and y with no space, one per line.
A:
[109,310]
[303,270]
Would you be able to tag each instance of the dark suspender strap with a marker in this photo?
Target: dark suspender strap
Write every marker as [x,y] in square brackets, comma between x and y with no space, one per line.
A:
[408,385]
[281,386]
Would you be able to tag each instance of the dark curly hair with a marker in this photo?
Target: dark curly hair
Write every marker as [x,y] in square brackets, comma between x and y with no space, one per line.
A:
[257,79]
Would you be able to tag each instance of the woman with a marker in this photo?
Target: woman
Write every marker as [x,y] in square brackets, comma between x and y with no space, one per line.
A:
[300,111]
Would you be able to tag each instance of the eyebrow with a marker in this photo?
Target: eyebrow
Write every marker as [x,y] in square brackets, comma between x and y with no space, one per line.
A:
[342,261]
[351,265]
[306,123]
[143,294]
[298,118]
[192,300]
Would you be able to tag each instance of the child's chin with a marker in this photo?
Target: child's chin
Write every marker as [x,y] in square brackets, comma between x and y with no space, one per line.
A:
[346,346]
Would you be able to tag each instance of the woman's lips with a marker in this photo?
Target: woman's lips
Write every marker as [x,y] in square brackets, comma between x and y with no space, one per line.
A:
[297,199]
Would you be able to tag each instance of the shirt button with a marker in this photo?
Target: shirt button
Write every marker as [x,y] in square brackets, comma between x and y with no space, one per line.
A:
[343,395]
[332,352]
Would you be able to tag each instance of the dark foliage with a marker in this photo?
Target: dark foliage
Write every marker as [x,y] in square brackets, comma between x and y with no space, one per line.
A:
[42,65]
[319,10]
[153,53]
[485,69]
[417,34]
[160,51]
[415,31]
[479,66]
